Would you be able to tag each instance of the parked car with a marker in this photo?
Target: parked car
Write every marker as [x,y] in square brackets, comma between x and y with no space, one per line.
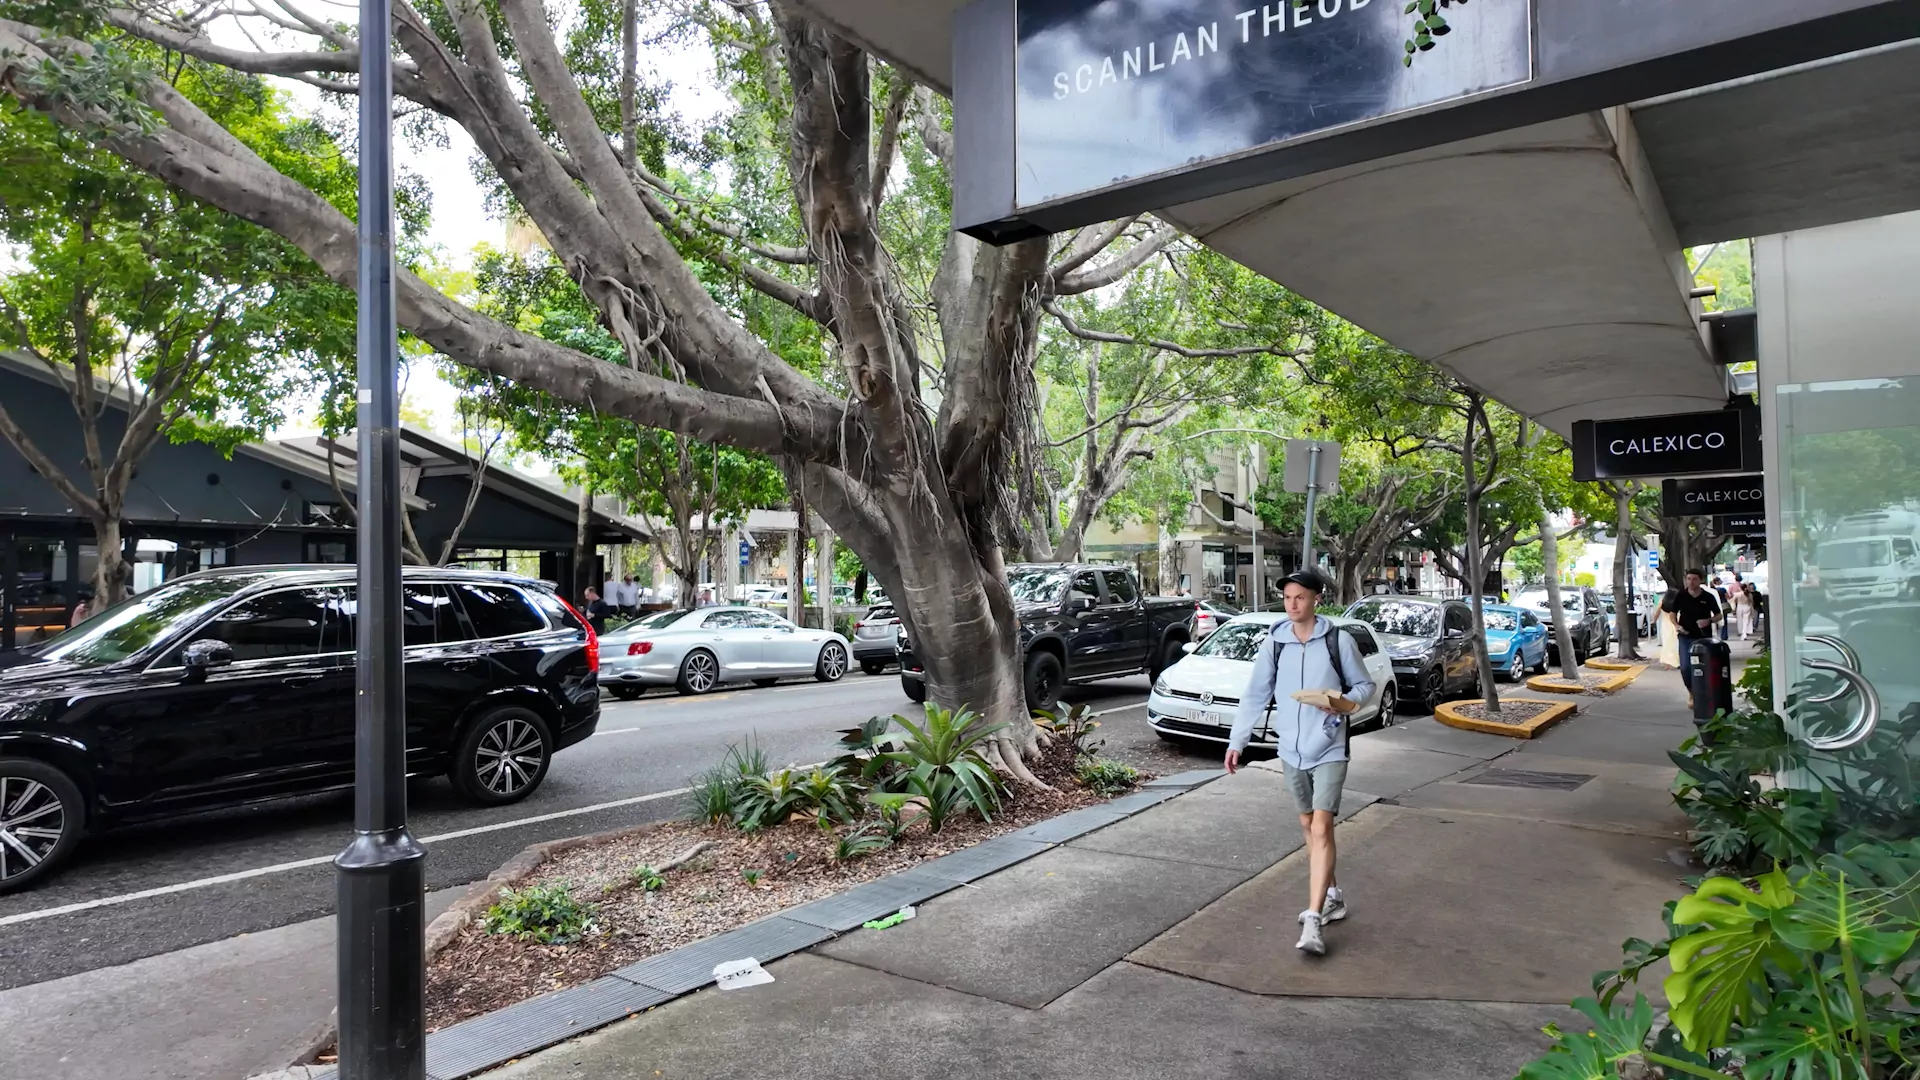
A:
[235,686]
[874,638]
[1429,642]
[1587,621]
[695,651]
[1516,641]
[1210,615]
[1197,697]
[1080,623]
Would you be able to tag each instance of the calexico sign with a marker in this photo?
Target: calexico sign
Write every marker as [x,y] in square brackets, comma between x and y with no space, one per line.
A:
[1682,444]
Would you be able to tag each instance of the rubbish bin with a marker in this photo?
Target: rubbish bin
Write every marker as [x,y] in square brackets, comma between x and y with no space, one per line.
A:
[1712,676]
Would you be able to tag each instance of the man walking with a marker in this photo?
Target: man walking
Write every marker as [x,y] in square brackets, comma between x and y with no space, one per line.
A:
[596,610]
[1694,610]
[1305,653]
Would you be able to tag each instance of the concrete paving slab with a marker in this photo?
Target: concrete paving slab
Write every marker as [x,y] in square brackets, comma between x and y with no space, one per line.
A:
[1426,733]
[225,1009]
[1620,797]
[1390,771]
[824,1020]
[1029,934]
[1242,822]
[1610,738]
[1462,908]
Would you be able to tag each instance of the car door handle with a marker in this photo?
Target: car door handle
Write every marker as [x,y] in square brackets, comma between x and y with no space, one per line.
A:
[300,680]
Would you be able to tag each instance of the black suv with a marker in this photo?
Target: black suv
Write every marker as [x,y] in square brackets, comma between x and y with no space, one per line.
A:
[235,686]
[1430,643]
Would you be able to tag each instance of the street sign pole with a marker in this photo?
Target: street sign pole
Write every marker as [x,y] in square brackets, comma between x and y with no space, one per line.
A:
[1307,560]
[380,957]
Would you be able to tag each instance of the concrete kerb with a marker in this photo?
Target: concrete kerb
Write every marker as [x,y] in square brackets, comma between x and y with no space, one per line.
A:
[1449,714]
[535,1024]
[1554,684]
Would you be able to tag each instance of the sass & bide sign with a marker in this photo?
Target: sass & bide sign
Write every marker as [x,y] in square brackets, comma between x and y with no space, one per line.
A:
[1722,441]
[1716,496]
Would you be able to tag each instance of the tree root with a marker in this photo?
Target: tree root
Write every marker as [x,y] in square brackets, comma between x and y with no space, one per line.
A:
[1007,758]
[683,858]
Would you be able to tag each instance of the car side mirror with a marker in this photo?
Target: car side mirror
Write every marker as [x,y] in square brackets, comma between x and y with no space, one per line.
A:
[1455,632]
[1189,646]
[1080,603]
[204,655]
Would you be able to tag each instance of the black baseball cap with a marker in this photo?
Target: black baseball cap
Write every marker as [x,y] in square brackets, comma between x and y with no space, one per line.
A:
[1306,579]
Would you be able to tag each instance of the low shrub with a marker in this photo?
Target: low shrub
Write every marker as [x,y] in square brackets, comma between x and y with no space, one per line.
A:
[862,842]
[1106,777]
[717,794]
[547,914]
[1076,726]
[752,876]
[647,879]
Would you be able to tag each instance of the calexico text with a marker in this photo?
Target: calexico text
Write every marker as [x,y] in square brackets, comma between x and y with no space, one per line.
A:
[1667,444]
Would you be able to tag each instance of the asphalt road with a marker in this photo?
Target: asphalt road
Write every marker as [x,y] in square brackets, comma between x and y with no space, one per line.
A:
[213,876]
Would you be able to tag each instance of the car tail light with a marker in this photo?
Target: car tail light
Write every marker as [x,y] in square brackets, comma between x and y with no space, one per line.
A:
[593,639]
[640,648]
[859,626]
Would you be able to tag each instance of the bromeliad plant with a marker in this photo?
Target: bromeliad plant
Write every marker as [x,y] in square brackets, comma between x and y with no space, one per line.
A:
[1807,974]
[941,759]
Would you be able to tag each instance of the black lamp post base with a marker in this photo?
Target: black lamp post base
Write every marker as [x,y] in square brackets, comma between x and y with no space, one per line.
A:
[381,955]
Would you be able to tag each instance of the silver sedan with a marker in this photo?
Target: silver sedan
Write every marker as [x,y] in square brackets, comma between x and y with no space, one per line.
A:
[695,651]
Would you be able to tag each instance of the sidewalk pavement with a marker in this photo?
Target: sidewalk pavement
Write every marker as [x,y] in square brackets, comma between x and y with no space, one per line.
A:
[218,1011]
[1488,879]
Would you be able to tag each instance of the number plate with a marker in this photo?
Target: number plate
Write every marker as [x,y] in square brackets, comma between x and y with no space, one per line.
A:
[1206,716]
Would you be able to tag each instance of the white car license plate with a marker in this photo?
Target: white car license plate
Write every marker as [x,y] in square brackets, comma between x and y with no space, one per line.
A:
[1207,716]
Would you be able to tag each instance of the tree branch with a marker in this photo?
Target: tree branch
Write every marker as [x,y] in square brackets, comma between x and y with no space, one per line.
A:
[1089,242]
[1068,324]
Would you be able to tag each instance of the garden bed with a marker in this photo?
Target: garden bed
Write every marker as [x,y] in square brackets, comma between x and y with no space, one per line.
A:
[734,878]
[1520,718]
[1511,712]
[1590,682]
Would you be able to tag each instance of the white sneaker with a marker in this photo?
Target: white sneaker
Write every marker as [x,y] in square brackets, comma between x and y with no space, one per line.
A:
[1311,941]
[1335,908]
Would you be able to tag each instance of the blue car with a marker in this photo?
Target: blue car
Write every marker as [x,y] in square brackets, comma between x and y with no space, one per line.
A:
[1516,641]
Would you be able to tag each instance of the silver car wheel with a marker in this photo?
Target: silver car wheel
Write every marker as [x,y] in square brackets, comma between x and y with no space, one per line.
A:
[701,672]
[833,661]
[32,821]
[509,756]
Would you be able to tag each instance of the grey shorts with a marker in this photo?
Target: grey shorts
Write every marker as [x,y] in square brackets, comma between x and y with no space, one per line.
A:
[1316,788]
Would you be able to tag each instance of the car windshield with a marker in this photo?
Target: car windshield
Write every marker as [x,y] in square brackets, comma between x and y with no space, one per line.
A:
[1234,641]
[1500,620]
[1399,617]
[1855,554]
[137,622]
[659,620]
[1038,586]
[1569,601]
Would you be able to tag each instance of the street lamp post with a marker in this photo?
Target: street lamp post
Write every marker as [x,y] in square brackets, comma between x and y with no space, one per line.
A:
[381,964]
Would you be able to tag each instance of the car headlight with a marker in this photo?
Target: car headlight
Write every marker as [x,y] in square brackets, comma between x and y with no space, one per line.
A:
[1160,687]
[1410,652]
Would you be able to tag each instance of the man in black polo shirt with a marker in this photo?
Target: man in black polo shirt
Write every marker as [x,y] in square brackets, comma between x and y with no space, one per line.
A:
[1696,610]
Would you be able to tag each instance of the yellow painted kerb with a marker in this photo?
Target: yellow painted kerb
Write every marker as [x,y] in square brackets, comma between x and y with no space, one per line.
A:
[1612,665]
[1449,714]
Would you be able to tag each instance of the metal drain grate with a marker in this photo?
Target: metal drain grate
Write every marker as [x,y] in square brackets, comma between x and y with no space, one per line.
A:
[1538,781]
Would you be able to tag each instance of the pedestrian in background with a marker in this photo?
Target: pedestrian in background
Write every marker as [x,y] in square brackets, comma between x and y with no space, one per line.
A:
[595,609]
[1742,599]
[1305,654]
[1695,609]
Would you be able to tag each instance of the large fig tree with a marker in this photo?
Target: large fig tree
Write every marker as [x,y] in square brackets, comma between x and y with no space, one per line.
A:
[906,444]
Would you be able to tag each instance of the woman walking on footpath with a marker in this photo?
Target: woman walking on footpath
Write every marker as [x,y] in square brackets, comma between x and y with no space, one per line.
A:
[1309,676]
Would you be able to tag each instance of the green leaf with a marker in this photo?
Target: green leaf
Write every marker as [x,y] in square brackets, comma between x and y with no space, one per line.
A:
[1427,7]
[1719,966]
[1618,1035]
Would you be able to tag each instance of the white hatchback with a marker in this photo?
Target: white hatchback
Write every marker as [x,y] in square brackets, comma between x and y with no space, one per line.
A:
[1196,698]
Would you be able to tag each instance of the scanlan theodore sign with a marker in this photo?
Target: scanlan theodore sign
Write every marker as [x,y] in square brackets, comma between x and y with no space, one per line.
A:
[1116,91]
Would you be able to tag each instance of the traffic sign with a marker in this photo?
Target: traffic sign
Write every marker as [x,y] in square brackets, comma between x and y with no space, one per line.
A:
[746,553]
[1653,560]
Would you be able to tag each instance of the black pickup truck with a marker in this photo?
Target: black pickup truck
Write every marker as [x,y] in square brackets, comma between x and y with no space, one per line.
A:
[1079,623]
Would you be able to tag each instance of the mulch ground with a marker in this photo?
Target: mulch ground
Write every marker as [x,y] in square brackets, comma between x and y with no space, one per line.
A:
[479,972]
[1511,712]
[1588,680]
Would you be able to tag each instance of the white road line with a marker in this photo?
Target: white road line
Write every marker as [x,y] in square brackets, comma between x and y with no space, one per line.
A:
[301,864]
[322,860]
